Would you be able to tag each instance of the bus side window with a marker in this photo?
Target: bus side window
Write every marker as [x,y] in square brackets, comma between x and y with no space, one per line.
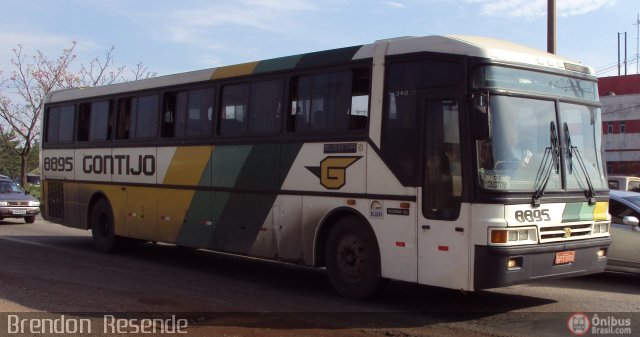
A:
[123,119]
[265,107]
[359,112]
[199,113]
[67,122]
[320,103]
[101,121]
[235,99]
[53,125]
[84,122]
[173,114]
[60,124]
[94,121]
[146,117]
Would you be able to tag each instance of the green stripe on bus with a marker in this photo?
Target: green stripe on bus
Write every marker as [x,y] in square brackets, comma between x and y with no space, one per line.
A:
[245,213]
[231,221]
[329,57]
[226,163]
[577,211]
[281,63]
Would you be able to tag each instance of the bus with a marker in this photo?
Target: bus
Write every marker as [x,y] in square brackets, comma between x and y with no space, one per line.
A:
[452,161]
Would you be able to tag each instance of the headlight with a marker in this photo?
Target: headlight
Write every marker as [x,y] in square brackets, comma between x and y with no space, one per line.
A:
[3,203]
[600,228]
[513,236]
[34,203]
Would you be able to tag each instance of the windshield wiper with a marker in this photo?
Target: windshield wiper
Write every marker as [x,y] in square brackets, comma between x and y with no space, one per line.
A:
[590,193]
[550,162]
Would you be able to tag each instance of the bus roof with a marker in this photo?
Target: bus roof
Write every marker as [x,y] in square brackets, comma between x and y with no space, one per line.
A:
[475,46]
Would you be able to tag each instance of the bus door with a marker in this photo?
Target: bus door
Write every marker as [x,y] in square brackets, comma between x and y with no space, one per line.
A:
[443,227]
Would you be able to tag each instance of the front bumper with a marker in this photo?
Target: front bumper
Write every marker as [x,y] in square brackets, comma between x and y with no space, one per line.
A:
[537,262]
[18,212]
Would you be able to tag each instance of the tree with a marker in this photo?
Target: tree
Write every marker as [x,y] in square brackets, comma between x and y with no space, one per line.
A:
[33,78]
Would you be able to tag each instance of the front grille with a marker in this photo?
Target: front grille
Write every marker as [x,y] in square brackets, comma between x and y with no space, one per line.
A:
[565,232]
[55,199]
[18,203]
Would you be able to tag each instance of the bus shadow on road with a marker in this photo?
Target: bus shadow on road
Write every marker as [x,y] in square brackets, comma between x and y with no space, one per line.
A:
[215,289]
[609,281]
[302,297]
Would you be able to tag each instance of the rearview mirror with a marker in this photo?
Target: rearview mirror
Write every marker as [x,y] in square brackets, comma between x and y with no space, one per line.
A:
[630,220]
[481,116]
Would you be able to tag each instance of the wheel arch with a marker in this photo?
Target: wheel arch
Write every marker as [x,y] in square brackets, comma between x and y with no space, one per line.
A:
[327,223]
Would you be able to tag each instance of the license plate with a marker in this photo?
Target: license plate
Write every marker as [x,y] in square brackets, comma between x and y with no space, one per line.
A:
[19,212]
[565,257]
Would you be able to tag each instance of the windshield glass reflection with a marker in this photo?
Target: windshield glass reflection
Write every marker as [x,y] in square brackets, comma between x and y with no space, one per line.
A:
[520,134]
[583,123]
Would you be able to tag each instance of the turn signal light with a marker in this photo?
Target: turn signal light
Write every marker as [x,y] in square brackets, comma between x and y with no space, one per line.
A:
[498,236]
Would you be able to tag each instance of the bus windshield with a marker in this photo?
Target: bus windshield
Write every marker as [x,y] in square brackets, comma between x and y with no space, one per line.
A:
[528,137]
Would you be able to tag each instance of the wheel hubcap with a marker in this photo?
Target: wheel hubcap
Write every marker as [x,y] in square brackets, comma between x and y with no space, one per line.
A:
[352,258]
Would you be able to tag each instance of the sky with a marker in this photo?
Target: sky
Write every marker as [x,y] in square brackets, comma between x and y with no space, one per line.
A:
[183,35]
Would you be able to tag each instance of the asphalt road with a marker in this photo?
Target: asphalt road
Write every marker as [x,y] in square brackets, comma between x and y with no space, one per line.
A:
[47,270]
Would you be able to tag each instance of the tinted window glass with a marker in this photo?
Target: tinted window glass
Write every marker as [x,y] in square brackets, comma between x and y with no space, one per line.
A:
[94,121]
[67,114]
[187,113]
[53,124]
[235,101]
[147,117]
[84,121]
[126,106]
[321,102]
[199,119]
[400,121]
[100,121]
[266,105]
[442,176]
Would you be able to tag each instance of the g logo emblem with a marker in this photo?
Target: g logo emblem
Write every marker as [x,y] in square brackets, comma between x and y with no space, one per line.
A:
[333,171]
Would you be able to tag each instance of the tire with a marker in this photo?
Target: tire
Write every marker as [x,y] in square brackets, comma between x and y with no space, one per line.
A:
[30,219]
[353,259]
[103,227]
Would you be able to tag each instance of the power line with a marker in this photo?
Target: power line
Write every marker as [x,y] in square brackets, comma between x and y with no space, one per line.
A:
[623,109]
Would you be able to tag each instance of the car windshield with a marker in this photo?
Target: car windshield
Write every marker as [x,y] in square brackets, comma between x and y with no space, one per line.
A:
[9,187]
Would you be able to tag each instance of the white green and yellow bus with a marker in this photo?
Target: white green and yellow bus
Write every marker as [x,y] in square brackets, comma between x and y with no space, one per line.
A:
[453,161]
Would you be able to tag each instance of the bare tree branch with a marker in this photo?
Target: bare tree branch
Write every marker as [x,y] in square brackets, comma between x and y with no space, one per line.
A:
[33,78]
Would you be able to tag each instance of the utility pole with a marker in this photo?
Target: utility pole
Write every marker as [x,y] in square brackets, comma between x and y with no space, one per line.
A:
[637,24]
[551,26]
[618,54]
[625,53]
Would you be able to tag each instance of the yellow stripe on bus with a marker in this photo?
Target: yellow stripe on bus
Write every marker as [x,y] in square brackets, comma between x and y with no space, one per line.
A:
[186,168]
[236,70]
[187,165]
[600,211]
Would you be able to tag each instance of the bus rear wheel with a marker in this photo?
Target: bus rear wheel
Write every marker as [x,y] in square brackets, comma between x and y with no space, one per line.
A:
[103,227]
[353,260]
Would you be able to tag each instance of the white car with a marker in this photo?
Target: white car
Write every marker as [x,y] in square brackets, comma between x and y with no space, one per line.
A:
[624,252]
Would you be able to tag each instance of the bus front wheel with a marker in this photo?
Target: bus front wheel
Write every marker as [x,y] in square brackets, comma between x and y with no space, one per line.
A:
[103,227]
[353,259]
